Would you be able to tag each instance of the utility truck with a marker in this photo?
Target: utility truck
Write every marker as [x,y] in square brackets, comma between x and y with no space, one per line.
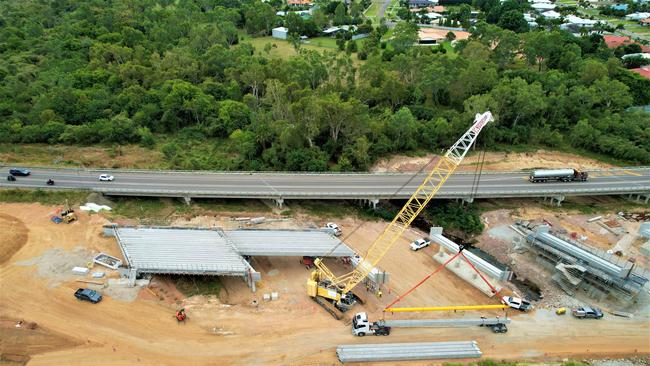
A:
[361,326]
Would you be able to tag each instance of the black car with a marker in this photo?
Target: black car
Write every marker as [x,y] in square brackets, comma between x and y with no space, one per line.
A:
[85,294]
[21,172]
[11,178]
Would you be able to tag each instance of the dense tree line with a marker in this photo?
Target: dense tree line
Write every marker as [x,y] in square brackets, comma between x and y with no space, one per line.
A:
[176,76]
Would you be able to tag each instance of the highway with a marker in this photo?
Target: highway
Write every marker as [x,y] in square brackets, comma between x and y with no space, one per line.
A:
[371,186]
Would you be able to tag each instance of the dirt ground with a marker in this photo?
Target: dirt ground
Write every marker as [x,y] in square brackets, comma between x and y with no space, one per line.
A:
[233,331]
[495,161]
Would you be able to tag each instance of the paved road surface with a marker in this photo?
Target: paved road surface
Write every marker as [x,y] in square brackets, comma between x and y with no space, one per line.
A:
[327,186]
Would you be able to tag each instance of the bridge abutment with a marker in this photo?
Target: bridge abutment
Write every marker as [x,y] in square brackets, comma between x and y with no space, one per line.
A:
[639,197]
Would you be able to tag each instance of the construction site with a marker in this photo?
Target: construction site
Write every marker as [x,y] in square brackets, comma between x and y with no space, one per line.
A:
[302,290]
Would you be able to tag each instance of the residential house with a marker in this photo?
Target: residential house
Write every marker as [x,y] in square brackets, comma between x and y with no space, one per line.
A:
[551,14]
[422,3]
[542,7]
[613,41]
[645,56]
[298,2]
[540,1]
[637,16]
[580,22]
[643,71]
[432,36]
[331,31]
[620,7]
[645,22]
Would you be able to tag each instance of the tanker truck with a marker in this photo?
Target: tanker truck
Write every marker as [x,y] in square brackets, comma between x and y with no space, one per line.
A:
[559,175]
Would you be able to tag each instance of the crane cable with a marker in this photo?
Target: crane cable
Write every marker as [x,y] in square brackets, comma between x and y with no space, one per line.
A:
[438,269]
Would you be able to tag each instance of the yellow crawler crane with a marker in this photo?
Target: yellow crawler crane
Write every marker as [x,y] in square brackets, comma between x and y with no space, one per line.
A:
[334,292]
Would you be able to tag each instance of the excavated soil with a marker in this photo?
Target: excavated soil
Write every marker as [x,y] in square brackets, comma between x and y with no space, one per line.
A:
[13,235]
[243,329]
[495,161]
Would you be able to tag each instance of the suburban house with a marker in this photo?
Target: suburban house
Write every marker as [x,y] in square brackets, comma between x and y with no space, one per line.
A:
[620,7]
[637,16]
[580,22]
[433,36]
[551,14]
[542,7]
[298,2]
[422,3]
[645,22]
[645,56]
[613,41]
[280,32]
[643,71]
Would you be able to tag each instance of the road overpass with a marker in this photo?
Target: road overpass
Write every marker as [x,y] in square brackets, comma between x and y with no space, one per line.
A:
[365,186]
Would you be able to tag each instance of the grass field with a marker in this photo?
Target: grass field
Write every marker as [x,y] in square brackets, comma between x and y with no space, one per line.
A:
[284,49]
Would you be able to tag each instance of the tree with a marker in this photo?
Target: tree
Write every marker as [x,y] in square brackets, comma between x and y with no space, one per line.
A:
[518,101]
[259,18]
[405,35]
[340,14]
[514,21]
[450,36]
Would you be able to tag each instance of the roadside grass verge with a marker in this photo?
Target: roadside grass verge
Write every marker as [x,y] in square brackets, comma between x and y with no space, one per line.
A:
[45,197]
[197,285]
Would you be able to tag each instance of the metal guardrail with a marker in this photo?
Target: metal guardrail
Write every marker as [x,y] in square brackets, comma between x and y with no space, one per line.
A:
[283,173]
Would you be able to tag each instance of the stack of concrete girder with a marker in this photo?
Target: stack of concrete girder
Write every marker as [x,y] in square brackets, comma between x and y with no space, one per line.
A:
[408,351]
[480,263]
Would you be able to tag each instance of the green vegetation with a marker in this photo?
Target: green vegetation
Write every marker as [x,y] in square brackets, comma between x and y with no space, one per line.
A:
[197,285]
[455,217]
[183,81]
[46,197]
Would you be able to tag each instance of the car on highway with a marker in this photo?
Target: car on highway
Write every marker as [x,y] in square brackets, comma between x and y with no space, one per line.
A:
[106,178]
[19,172]
[517,303]
[335,228]
[583,312]
[419,244]
[84,294]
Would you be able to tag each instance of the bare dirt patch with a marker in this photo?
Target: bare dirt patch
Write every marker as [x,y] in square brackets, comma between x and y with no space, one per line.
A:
[20,339]
[495,161]
[13,235]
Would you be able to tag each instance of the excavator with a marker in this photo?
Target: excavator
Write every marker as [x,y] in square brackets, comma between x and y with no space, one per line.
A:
[335,293]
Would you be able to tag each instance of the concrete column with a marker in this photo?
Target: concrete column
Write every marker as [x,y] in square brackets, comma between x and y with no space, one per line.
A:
[468,200]
[188,200]
[279,202]
[374,203]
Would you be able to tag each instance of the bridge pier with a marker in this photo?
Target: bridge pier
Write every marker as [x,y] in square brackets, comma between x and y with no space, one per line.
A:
[465,200]
[639,197]
[188,200]
[554,200]
[279,202]
[373,203]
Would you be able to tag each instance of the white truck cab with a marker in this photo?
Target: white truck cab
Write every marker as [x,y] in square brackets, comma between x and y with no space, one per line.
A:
[361,326]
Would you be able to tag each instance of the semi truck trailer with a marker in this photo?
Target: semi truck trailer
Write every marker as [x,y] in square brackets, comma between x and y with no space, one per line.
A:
[559,175]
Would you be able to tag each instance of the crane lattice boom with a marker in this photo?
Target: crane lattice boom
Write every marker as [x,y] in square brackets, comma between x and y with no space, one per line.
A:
[423,194]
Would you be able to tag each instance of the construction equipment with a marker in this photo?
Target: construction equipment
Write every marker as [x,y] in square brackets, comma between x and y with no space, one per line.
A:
[324,286]
[361,326]
[180,315]
[68,214]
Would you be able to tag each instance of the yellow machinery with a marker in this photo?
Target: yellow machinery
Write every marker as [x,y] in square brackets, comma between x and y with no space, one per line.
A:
[446,308]
[334,292]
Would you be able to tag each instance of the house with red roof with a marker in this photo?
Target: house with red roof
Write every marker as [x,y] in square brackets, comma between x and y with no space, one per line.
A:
[643,71]
[614,41]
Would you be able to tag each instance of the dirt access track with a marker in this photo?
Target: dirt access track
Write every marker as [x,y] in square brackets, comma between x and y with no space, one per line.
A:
[290,331]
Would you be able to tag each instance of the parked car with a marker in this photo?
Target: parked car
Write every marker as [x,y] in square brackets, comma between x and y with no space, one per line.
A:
[517,303]
[84,294]
[106,178]
[419,244]
[11,178]
[19,172]
[587,312]
[335,228]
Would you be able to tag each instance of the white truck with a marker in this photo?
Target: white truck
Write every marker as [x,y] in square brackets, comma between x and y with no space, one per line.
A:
[336,230]
[361,326]
[517,303]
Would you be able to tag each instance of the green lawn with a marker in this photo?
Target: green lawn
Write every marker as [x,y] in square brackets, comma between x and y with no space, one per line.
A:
[283,49]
